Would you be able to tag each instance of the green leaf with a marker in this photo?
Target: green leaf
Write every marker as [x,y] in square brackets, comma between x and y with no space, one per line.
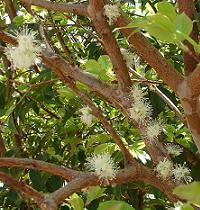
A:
[37,180]
[76,201]
[183,25]
[54,183]
[65,92]
[114,205]
[18,20]
[93,66]
[162,28]
[104,62]
[94,193]
[187,207]
[190,192]
[167,9]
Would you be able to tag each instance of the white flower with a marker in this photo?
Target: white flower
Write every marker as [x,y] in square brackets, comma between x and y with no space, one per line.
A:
[140,111]
[177,206]
[181,173]
[153,130]
[103,166]
[128,57]
[86,116]
[137,93]
[111,12]
[25,53]
[174,150]
[164,168]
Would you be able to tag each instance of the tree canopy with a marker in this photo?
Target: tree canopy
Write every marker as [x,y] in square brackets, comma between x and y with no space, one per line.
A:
[99,104]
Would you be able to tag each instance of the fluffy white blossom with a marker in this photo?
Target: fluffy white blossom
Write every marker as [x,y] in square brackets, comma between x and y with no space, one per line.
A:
[181,173]
[86,116]
[137,93]
[174,150]
[177,206]
[140,111]
[164,168]
[103,166]
[25,53]
[153,130]
[128,57]
[111,12]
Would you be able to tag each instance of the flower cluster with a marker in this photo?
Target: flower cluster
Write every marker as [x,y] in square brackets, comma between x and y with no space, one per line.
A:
[166,169]
[103,166]
[153,130]
[111,12]
[141,111]
[86,116]
[128,57]
[174,150]
[181,173]
[26,52]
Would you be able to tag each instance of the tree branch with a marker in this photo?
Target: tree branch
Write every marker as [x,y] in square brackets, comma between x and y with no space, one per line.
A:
[103,120]
[66,70]
[10,9]
[95,10]
[52,61]
[193,85]
[64,172]
[149,53]
[78,9]
[2,147]
[190,58]
[21,187]
[132,173]
[163,96]
[7,38]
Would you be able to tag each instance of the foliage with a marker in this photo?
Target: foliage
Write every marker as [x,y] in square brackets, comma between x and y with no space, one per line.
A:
[40,113]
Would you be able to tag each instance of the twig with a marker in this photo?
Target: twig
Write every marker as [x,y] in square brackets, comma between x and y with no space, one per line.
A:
[60,38]
[103,120]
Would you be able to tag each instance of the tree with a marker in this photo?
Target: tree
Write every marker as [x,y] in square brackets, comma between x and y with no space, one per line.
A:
[99,105]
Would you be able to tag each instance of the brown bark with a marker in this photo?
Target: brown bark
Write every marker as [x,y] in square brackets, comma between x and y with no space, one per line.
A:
[96,112]
[190,58]
[152,56]
[66,173]
[79,9]
[2,147]
[95,10]
[10,9]
[20,186]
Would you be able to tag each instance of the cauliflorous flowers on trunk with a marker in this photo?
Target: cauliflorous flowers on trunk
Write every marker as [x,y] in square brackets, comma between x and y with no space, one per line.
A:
[153,130]
[111,12]
[128,57]
[25,53]
[140,111]
[174,150]
[103,166]
[164,168]
[86,116]
[137,94]
[181,173]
